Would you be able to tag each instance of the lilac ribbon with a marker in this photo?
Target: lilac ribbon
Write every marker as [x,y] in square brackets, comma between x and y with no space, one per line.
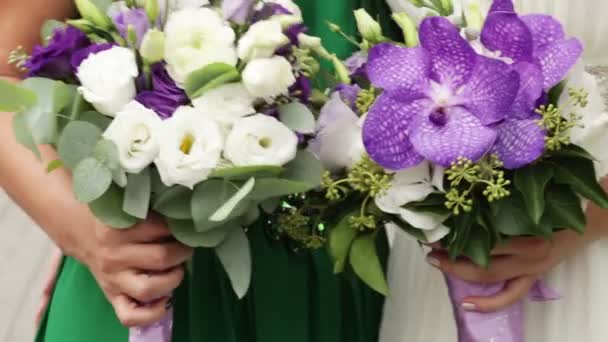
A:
[157,332]
[503,326]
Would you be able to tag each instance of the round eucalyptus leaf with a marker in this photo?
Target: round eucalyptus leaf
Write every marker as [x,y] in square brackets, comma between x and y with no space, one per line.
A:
[90,180]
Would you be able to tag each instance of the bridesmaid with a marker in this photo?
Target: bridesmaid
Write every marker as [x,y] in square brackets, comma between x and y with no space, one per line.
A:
[293,297]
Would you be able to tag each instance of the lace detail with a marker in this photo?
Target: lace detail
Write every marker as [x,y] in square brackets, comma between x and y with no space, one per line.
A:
[601,73]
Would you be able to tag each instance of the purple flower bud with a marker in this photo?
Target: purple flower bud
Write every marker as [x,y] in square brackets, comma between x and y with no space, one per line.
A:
[54,59]
[302,89]
[137,19]
[165,96]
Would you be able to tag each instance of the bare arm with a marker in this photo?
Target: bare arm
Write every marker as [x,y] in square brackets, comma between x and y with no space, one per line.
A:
[131,266]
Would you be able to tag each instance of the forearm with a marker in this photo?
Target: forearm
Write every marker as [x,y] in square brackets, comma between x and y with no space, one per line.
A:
[20,22]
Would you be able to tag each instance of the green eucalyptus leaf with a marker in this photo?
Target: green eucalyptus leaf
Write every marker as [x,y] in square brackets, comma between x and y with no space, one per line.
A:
[223,212]
[186,233]
[531,181]
[15,98]
[270,205]
[102,4]
[246,172]
[207,198]
[107,153]
[90,180]
[95,118]
[251,215]
[297,117]
[274,187]
[54,165]
[341,238]
[174,203]
[305,168]
[78,141]
[366,264]
[137,194]
[108,209]
[579,173]
[23,134]
[234,254]
[564,209]
[209,77]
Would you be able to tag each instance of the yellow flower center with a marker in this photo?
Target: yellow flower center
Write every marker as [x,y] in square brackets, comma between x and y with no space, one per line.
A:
[187,142]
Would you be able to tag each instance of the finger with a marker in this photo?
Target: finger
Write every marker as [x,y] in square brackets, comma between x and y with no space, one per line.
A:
[501,268]
[525,247]
[145,288]
[514,291]
[155,257]
[152,229]
[130,314]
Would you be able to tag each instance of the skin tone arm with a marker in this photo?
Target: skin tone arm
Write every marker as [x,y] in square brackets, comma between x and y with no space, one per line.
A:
[141,264]
[522,261]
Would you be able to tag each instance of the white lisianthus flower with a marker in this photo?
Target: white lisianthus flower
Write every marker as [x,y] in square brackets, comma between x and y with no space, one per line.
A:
[176,5]
[195,38]
[339,140]
[260,140]
[108,79]
[261,40]
[412,185]
[289,5]
[226,104]
[268,77]
[134,131]
[191,148]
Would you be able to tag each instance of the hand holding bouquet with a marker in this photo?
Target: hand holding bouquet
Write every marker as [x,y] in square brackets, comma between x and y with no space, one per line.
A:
[194,111]
[465,135]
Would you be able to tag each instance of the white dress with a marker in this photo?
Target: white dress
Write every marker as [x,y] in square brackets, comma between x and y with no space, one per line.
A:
[419,310]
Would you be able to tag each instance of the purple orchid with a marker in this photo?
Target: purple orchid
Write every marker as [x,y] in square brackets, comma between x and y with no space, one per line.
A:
[135,18]
[54,59]
[441,100]
[165,96]
[536,47]
[348,94]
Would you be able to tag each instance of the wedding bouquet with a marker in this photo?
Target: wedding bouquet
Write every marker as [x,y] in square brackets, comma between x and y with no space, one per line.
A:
[462,135]
[195,111]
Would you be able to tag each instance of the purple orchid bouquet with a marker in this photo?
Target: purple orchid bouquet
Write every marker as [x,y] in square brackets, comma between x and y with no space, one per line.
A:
[195,111]
[458,136]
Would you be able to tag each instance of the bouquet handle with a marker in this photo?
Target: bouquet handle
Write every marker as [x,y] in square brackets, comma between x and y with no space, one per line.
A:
[157,332]
[503,326]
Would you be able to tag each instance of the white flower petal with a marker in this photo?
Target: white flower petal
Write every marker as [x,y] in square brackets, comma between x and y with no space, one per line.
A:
[436,234]
[423,221]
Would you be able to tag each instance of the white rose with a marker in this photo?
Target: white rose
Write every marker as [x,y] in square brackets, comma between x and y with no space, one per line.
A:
[195,38]
[268,77]
[108,79]
[134,131]
[226,104]
[260,140]
[261,40]
[191,147]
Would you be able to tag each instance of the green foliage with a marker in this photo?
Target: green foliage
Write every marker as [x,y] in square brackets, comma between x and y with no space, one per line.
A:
[90,180]
[579,173]
[366,264]
[234,254]
[511,217]
[209,77]
[23,134]
[78,141]
[95,118]
[174,203]
[15,98]
[108,209]
[246,172]
[48,28]
[223,212]
[341,238]
[209,197]
[137,194]
[297,117]
[107,153]
[54,165]
[478,247]
[572,151]
[186,233]
[563,210]
[531,181]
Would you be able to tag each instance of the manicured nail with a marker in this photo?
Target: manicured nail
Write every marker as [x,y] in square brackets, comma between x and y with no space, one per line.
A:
[469,306]
[433,261]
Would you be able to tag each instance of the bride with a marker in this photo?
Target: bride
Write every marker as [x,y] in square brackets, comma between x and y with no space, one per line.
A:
[419,308]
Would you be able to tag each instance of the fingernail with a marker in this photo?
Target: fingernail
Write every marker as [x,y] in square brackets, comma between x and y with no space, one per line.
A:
[469,306]
[433,261]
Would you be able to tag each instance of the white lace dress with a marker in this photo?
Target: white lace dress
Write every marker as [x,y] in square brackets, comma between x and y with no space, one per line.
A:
[419,309]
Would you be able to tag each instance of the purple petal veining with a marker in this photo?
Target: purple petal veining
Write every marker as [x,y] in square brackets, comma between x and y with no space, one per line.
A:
[520,142]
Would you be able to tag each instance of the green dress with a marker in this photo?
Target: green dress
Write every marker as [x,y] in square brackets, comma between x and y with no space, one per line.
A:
[293,297]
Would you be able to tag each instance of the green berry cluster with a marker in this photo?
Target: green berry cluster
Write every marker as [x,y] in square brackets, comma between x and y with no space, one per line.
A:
[558,121]
[365,99]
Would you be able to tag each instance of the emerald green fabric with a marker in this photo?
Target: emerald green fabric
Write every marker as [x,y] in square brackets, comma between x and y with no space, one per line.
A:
[294,296]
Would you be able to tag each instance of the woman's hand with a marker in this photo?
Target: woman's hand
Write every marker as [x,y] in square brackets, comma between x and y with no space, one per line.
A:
[520,262]
[143,264]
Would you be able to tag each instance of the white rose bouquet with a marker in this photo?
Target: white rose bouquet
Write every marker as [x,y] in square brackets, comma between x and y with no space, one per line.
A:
[198,112]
